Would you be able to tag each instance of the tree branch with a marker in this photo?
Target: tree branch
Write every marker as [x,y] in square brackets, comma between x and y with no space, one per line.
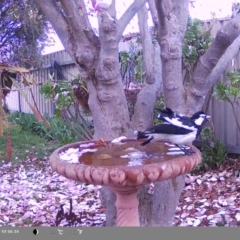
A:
[181,8]
[87,27]
[78,39]
[201,83]
[222,64]
[161,16]
[153,12]
[127,16]
[147,97]
[57,19]
[147,45]
[112,9]
[76,17]
[171,36]
[83,5]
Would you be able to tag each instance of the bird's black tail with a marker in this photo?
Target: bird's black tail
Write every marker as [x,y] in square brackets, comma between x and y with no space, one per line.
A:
[140,135]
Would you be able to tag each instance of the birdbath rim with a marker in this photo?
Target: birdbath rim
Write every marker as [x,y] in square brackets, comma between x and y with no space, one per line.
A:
[123,176]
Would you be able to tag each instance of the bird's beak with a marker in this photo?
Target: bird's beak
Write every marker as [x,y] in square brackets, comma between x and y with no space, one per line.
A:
[208,119]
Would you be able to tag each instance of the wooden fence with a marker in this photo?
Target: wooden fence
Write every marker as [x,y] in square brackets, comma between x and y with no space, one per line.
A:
[221,112]
[16,102]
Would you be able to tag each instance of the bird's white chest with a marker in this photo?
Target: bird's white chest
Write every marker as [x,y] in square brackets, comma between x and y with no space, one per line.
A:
[176,139]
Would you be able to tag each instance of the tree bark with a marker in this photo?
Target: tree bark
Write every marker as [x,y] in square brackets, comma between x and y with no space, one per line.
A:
[143,111]
[149,94]
[108,198]
[222,64]
[98,62]
[158,209]
[200,83]
[172,16]
[127,16]
[155,209]
[108,104]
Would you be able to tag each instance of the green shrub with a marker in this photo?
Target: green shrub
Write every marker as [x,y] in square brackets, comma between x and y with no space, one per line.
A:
[213,151]
[25,145]
[229,91]
[59,130]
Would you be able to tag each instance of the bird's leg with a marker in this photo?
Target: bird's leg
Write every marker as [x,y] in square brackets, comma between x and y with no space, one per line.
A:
[186,151]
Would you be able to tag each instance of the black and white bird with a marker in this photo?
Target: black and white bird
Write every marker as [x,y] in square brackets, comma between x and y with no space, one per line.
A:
[197,120]
[177,129]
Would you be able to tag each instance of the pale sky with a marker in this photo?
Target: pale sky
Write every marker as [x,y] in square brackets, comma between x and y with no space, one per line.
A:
[202,9]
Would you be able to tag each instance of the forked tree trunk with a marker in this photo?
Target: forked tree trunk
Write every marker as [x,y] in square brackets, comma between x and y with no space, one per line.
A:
[97,60]
[155,209]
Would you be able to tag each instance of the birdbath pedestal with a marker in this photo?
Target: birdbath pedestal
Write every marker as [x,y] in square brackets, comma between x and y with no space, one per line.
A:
[123,167]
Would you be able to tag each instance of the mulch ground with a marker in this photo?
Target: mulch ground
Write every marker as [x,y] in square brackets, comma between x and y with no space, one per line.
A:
[32,195]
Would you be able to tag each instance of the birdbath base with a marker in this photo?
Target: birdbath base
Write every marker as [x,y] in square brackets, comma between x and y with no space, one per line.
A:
[123,167]
[127,214]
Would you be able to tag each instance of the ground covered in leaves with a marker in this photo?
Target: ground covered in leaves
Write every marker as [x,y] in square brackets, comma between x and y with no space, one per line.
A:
[32,195]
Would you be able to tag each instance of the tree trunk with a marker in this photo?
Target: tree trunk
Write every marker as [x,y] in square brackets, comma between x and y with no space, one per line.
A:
[106,95]
[173,16]
[108,199]
[155,209]
[210,64]
[150,93]
[159,208]
[98,63]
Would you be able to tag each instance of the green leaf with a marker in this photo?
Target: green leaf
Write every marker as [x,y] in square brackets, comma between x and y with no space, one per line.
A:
[220,91]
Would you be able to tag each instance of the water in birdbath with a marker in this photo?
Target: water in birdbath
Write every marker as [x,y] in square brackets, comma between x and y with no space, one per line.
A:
[126,154]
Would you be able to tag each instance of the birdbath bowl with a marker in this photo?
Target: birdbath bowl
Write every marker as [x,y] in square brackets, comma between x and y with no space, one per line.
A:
[124,167]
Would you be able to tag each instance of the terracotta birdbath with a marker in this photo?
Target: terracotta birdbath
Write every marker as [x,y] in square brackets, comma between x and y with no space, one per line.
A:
[124,167]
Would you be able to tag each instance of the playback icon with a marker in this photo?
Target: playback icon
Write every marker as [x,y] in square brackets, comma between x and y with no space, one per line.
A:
[35,231]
